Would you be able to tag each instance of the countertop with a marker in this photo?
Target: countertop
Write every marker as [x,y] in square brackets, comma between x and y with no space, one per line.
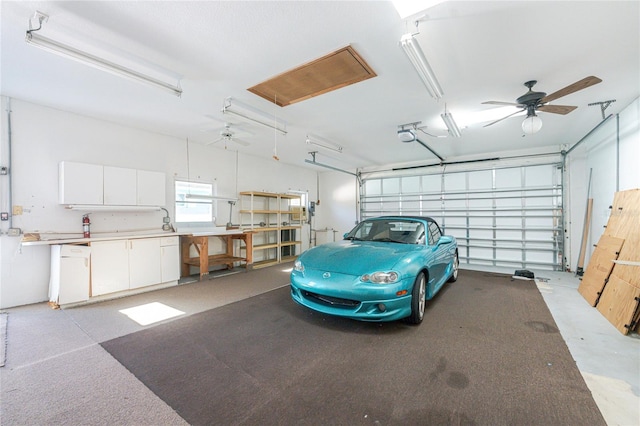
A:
[131,235]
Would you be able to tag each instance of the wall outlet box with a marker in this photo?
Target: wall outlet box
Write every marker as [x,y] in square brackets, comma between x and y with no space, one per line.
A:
[14,232]
[4,216]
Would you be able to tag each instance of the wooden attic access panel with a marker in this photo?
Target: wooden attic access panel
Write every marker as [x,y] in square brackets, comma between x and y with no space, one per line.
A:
[333,71]
[599,268]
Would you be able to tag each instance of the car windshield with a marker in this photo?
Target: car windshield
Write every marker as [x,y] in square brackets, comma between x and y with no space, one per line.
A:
[389,230]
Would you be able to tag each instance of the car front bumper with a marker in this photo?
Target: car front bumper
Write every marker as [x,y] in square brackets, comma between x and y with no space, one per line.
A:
[347,296]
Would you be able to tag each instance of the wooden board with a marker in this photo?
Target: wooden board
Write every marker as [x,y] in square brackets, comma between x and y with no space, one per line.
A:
[599,268]
[619,304]
[624,222]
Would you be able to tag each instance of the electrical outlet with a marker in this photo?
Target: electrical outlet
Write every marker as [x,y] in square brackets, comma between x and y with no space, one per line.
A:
[17,210]
[4,216]
[14,232]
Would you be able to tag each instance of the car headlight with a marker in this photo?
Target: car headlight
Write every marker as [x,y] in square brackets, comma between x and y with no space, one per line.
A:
[298,266]
[380,277]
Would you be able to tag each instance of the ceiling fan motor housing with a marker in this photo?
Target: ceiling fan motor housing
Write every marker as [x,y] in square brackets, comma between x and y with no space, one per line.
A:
[530,98]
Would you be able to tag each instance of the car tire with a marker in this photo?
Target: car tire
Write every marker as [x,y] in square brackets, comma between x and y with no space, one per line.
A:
[418,299]
[456,265]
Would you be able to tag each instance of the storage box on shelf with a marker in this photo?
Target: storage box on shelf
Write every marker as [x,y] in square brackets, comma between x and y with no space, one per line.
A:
[276,220]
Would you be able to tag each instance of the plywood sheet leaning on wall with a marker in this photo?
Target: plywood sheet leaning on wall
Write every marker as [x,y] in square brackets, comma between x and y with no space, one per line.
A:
[624,223]
[599,268]
[619,304]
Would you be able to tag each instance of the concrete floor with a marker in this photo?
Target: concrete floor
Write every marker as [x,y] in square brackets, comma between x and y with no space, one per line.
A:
[54,364]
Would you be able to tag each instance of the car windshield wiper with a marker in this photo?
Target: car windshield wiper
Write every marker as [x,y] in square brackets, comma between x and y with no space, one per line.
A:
[389,240]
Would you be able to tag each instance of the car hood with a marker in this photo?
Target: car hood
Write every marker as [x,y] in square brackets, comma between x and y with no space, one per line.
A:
[356,257]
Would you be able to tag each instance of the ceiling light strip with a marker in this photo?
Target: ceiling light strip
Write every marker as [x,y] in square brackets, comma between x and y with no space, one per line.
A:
[53,46]
[196,197]
[419,61]
[451,124]
[235,108]
[319,142]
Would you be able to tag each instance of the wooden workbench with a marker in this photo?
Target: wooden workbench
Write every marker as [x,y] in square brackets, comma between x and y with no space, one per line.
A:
[204,260]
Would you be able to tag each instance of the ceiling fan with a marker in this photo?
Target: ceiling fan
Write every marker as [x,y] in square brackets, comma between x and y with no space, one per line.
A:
[537,101]
[226,136]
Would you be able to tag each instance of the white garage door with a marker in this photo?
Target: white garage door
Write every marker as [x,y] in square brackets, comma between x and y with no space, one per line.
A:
[508,217]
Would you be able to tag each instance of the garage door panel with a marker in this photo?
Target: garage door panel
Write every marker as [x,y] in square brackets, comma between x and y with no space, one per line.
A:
[491,211]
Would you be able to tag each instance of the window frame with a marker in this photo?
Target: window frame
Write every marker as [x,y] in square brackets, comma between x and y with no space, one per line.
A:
[197,186]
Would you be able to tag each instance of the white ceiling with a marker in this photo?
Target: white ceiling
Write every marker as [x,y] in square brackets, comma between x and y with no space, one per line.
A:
[479,51]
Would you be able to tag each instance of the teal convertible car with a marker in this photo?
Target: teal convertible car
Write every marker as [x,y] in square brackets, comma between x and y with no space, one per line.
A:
[385,269]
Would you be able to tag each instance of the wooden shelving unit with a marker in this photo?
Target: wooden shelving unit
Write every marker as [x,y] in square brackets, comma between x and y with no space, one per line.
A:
[275,221]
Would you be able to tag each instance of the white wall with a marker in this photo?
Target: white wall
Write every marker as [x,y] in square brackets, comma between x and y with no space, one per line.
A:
[42,137]
[612,154]
[337,209]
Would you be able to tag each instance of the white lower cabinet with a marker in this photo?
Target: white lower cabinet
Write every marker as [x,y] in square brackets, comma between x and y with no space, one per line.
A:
[109,267]
[170,258]
[144,262]
[130,264]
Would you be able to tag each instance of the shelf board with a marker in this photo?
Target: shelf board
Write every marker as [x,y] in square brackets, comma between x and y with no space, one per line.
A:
[265,246]
[260,211]
[264,263]
[288,258]
[290,243]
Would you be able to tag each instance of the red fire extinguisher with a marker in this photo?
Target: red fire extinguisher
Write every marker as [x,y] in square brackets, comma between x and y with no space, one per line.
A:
[86,226]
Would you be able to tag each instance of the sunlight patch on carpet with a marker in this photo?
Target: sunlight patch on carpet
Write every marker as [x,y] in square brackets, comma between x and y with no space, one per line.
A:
[151,313]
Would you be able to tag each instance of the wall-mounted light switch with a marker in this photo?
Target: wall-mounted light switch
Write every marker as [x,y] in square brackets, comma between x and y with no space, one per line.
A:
[4,216]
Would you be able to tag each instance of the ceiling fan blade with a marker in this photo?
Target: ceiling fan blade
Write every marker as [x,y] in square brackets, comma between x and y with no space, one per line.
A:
[557,109]
[503,118]
[499,103]
[214,141]
[578,85]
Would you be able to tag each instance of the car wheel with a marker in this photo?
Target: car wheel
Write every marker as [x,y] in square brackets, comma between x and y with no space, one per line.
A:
[418,299]
[456,264]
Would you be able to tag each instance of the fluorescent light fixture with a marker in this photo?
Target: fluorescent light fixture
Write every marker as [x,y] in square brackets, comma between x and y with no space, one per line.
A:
[323,143]
[238,109]
[407,8]
[109,208]
[35,39]
[196,198]
[419,61]
[454,130]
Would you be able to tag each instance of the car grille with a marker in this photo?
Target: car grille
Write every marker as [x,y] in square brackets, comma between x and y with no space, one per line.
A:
[332,301]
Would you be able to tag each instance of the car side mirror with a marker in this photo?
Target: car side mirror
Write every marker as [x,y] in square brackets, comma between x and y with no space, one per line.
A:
[445,239]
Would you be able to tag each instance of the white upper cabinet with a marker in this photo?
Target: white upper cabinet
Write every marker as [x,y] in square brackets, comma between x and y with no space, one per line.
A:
[80,183]
[119,186]
[92,184]
[151,188]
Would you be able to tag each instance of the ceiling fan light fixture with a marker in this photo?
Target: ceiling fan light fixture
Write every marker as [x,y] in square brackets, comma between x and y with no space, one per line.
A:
[419,61]
[406,135]
[532,124]
[451,124]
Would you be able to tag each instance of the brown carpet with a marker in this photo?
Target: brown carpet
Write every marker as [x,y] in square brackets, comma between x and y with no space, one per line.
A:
[488,353]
